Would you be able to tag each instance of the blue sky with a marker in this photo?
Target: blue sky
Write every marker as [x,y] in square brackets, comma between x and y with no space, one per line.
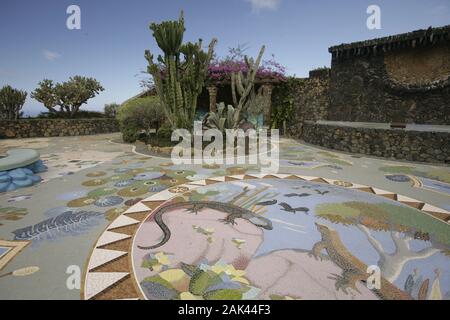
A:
[36,44]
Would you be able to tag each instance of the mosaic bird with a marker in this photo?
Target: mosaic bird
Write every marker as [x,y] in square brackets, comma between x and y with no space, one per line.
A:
[267,203]
[297,163]
[300,195]
[288,208]
[322,193]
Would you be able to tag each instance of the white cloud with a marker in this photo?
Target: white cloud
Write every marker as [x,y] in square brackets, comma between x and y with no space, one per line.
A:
[50,55]
[258,5]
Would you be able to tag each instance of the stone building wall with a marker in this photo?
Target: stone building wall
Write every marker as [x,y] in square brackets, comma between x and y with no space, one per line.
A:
[403,78]
[311,100]
[29,128]
[432,147]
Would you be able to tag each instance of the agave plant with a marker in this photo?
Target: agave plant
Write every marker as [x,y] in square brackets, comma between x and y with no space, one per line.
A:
[222,119]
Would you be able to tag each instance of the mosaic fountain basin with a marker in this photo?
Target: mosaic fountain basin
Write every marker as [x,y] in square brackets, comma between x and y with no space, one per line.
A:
[19,168]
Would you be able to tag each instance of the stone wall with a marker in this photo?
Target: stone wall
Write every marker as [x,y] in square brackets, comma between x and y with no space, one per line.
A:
[403,78]
[310,100]
[361,90]
[420,146]
[29,128]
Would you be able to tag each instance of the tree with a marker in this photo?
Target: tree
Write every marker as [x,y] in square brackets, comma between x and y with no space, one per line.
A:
[392,264]
[46,94]
[178,81]
[111,110]
[11,102]
[402,224]
[69,96]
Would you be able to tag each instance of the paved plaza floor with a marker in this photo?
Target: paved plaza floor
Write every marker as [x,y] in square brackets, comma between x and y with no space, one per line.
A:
[108,222]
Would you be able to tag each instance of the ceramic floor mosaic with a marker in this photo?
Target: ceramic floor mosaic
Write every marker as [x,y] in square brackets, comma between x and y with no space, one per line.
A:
[132,226]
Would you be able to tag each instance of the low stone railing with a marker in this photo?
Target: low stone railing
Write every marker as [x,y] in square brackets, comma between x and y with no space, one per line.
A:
[29,128]
[422,146]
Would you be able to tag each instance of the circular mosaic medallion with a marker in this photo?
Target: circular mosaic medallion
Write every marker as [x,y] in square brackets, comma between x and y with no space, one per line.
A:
[274,238]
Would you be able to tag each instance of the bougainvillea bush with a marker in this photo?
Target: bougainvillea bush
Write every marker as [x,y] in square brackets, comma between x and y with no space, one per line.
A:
[221,69]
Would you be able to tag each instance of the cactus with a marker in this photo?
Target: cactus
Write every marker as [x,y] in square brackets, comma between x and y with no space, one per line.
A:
[244,86]
[11,102]
[222,119]
[248,102]
[178,81]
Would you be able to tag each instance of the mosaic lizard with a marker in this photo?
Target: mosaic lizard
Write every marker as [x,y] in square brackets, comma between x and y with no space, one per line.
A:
[354,270]
[233,211]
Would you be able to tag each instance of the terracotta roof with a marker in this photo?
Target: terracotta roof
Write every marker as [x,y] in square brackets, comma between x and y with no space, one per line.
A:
[405,40]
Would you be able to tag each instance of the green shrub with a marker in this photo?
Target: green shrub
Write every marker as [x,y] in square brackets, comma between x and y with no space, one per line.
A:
[163,137]
[129,134]
[165,132]
[110,110]
[138,117]
[283,102]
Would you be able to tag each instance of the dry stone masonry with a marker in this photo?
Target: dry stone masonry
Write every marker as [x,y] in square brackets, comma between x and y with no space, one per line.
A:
[402,78]
[432,147]
[311,100]
[398,79]
[30,128]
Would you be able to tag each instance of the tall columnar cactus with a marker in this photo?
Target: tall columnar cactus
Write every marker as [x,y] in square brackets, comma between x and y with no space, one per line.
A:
[178,81]
[244,86]
[11,102]
[249,101]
